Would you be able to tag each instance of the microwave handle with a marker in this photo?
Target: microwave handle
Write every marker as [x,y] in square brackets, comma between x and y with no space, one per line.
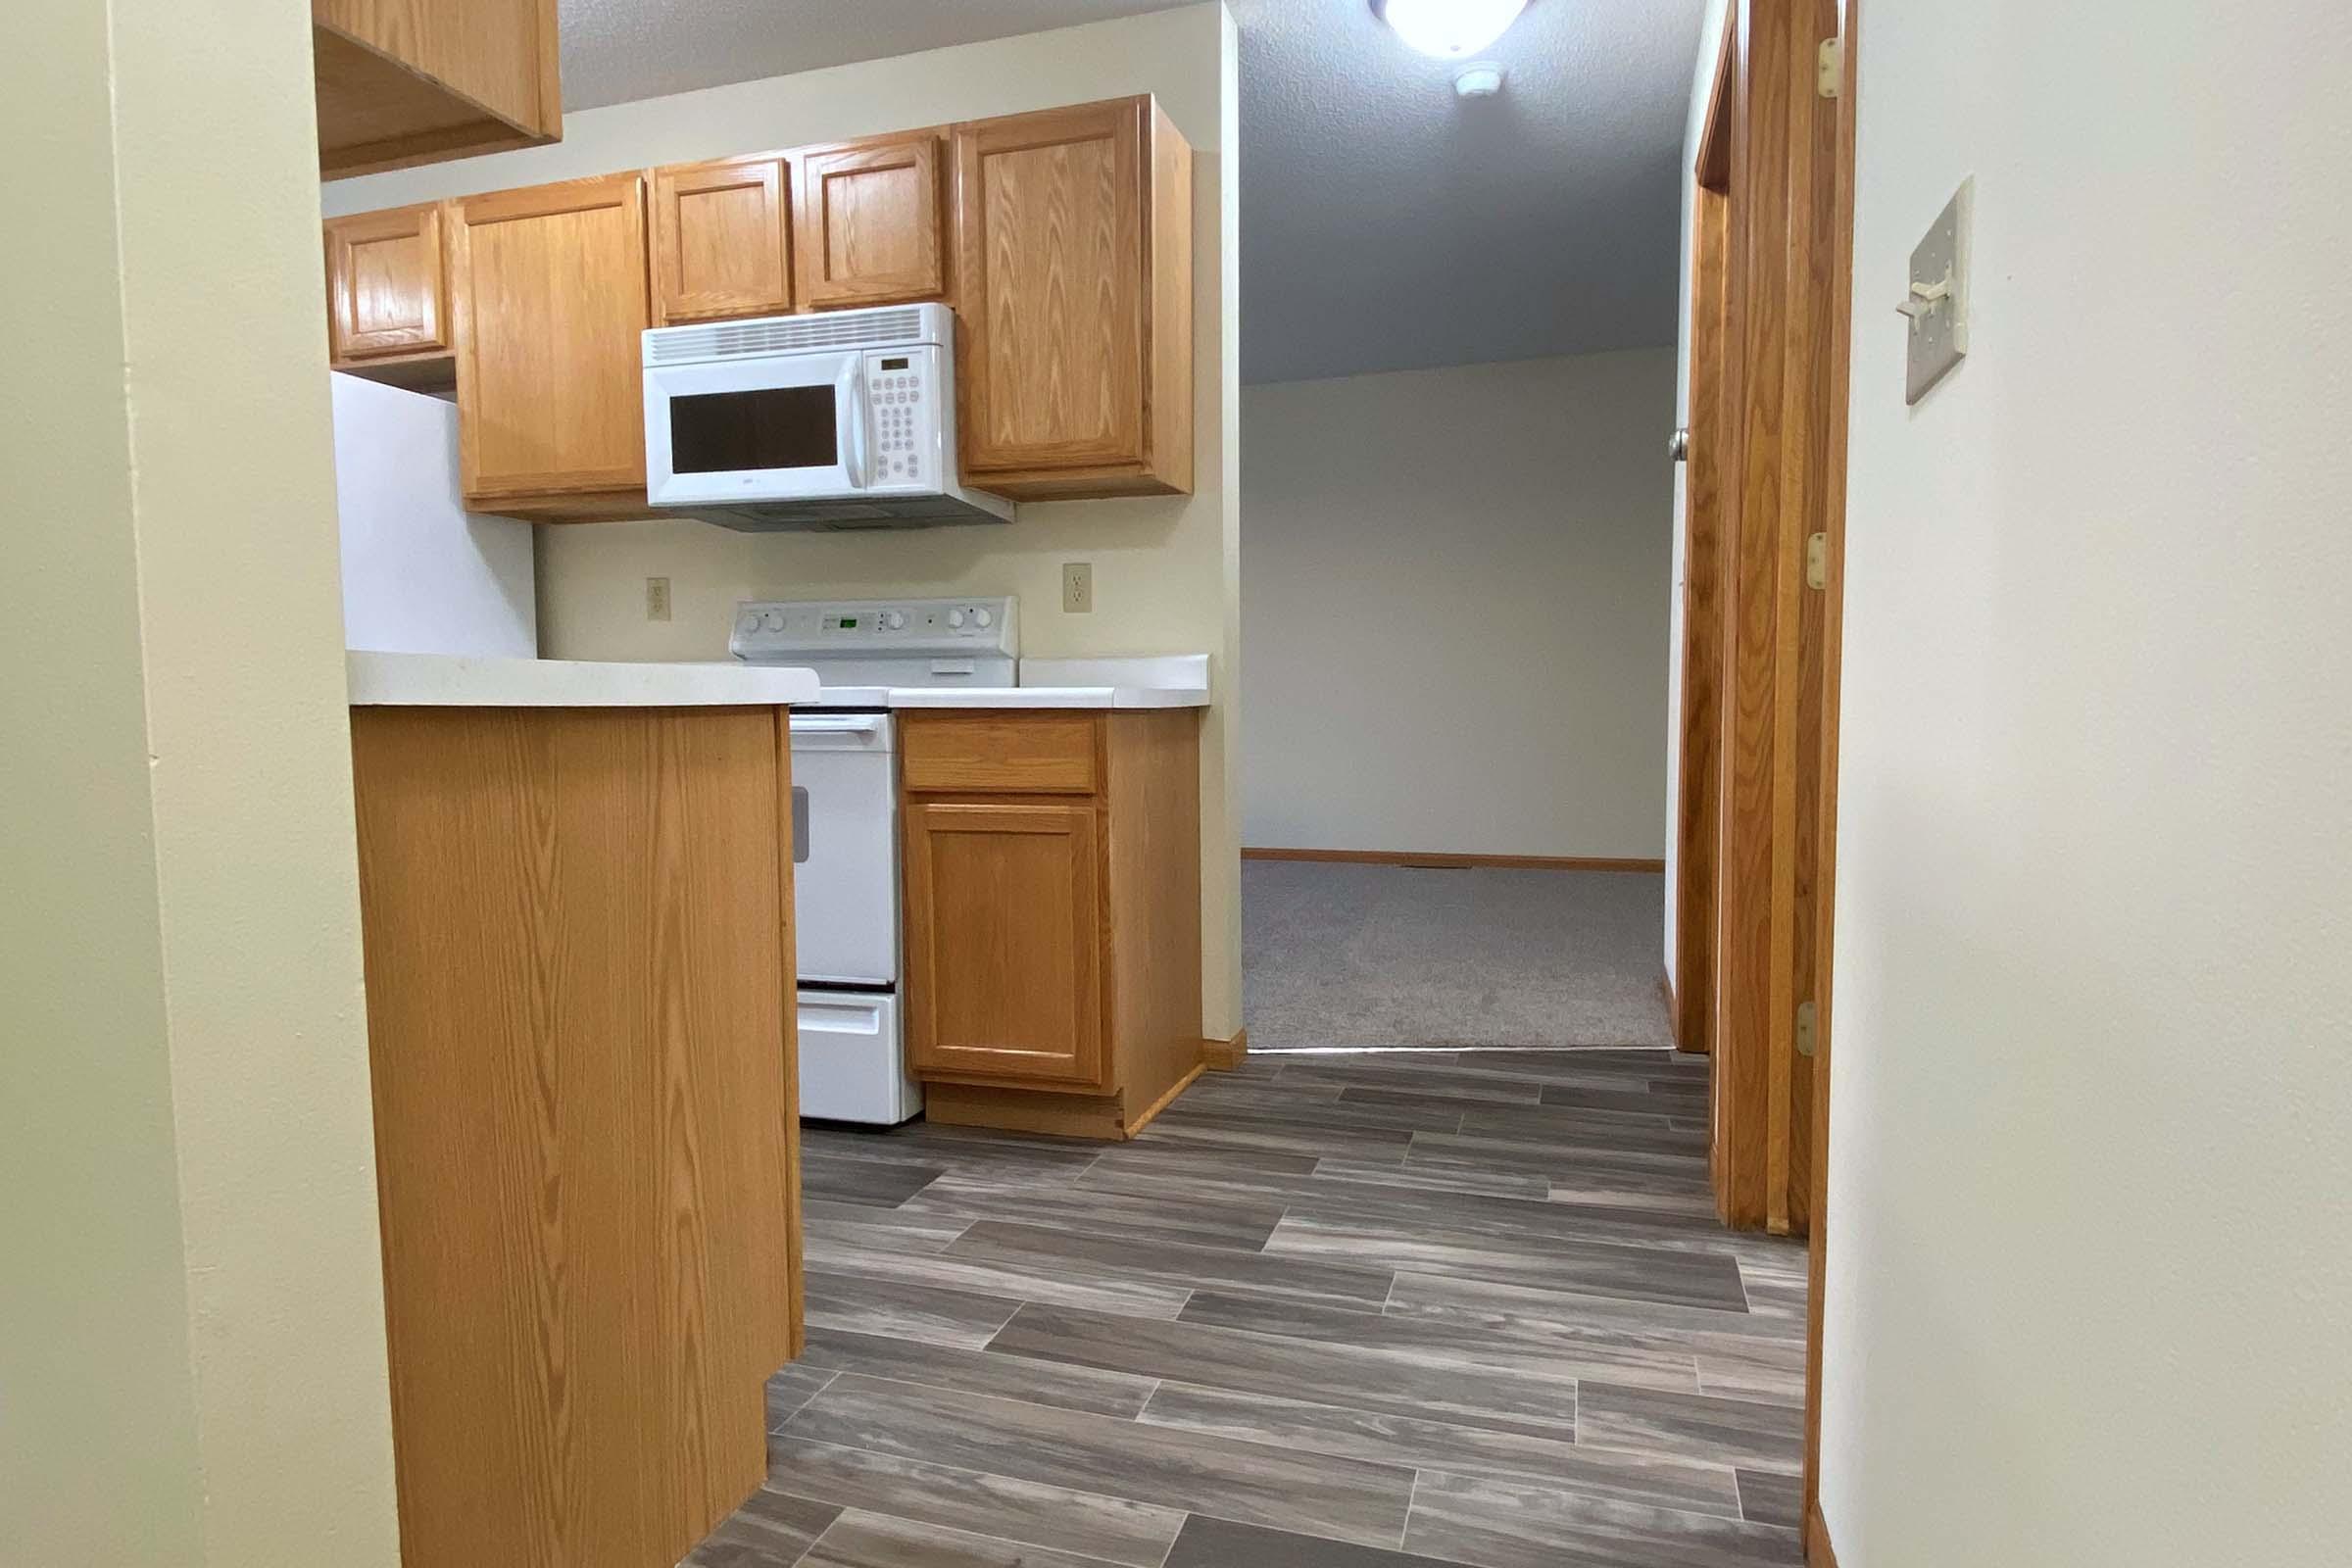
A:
[862,468]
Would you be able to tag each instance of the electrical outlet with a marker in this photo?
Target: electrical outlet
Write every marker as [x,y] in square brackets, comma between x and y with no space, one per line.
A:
[657,598]
[1078,588]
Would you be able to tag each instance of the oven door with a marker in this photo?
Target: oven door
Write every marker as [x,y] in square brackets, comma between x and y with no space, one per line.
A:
[782,427]
[845,849]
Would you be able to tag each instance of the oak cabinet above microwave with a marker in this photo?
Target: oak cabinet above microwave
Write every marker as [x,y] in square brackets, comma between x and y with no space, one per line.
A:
[721,235]
[869,221]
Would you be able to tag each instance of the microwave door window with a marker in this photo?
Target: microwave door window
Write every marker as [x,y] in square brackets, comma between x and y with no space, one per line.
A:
[764,427]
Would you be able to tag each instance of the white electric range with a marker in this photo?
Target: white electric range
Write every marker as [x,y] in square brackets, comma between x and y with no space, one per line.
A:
[845,817]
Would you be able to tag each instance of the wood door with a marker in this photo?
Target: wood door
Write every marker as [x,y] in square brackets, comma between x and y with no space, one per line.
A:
[1003,940]
[867,223]
[550,289]
[387,284]
[1049,241]
[720,239]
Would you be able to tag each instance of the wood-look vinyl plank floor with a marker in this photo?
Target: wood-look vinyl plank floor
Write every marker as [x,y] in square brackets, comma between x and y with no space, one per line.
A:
[1088,1524]
[1458,1309]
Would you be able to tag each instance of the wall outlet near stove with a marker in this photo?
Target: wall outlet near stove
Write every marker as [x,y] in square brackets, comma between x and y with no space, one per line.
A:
[1078,587]
[657,598]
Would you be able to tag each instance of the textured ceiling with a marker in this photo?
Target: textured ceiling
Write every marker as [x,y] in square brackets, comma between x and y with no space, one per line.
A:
[1386,224]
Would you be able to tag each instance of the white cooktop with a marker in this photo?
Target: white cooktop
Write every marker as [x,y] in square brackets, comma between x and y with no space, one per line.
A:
[947,653]
[1172,680]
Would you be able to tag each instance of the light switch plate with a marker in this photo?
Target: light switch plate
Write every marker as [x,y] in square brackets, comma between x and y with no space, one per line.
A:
[1938,321]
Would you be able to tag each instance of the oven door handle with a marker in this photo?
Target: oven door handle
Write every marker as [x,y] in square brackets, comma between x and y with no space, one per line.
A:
[836,731]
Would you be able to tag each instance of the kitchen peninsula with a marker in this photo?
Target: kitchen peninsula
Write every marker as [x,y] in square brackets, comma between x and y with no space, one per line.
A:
[576,895]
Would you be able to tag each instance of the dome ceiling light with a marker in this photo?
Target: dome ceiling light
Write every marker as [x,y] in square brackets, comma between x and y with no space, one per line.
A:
[1449,30]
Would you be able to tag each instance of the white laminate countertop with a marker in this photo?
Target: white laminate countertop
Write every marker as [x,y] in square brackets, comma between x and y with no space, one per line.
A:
[1173,680]
[448,680]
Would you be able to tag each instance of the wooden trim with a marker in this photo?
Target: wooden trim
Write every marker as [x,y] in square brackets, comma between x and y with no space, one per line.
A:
[1674,1020]
[1700,777]
[1819,1552]
[1777,355]
[795,1327]
[1840,360]
[1136,1124]
[1223,1056]
[1050,1112]
[1714,166]
[1447,861]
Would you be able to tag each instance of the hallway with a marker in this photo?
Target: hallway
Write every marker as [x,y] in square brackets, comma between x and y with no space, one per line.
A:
[1335,954]
[1466,1307]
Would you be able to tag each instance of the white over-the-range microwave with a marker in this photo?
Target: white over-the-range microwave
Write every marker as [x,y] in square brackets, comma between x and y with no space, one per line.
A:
[841,420]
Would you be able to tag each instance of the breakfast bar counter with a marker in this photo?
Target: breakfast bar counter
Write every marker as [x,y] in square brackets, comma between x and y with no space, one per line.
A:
[576,900]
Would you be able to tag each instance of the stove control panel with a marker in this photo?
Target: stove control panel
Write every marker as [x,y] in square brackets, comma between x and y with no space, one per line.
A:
[775,631]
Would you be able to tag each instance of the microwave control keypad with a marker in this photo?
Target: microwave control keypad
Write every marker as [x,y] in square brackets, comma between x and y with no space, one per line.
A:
[899,399]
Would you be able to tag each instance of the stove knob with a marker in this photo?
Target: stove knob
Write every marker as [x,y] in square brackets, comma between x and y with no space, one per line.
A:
[981,618]
[773,620]
[749,624]
[956,620]
[895,621]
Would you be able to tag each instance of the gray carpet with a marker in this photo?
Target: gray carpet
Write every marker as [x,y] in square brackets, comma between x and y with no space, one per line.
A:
[1340,955]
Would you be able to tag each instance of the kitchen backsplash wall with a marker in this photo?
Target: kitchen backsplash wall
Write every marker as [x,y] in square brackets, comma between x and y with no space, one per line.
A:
[1166,570]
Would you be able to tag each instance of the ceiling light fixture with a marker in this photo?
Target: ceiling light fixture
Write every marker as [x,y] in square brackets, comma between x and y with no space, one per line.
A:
[1449,30]
[1481,80]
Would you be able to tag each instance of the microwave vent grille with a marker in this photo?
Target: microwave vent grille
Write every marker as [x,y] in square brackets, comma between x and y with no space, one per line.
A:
[789,335]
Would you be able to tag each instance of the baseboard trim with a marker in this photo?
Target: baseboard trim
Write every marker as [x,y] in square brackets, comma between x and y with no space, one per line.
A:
[1223,1056]
[1819,1553]
[1447,861]
[1674,1011]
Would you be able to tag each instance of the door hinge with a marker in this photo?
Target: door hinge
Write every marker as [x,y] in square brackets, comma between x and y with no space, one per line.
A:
[1807,1028]
[1829,68]
[1817,561]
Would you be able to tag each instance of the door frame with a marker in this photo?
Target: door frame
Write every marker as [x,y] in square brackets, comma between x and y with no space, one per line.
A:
[1818,1550]
[1771,336]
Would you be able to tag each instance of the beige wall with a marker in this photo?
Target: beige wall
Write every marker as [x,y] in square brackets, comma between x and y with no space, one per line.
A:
[1165,570]
[191,1317]
[1456,608]
[2091,1252]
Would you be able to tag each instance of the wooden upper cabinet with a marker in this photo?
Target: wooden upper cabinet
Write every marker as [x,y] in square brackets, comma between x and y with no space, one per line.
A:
[1073,238]
[721,242]
[416,82]
[869,222]
[550,288]
[387,284]
[1005,940]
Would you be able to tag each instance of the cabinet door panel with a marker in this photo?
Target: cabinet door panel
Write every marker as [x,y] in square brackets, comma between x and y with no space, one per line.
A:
[1003,940]
[1049,233]
[550,298]
[867,221]
[719,240]
[386,283]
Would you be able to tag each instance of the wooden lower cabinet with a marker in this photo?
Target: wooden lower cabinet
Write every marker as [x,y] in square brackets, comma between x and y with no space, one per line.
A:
[576,924]
[1052,917]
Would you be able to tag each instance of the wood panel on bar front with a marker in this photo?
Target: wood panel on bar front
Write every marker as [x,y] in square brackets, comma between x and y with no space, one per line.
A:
[578,953]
